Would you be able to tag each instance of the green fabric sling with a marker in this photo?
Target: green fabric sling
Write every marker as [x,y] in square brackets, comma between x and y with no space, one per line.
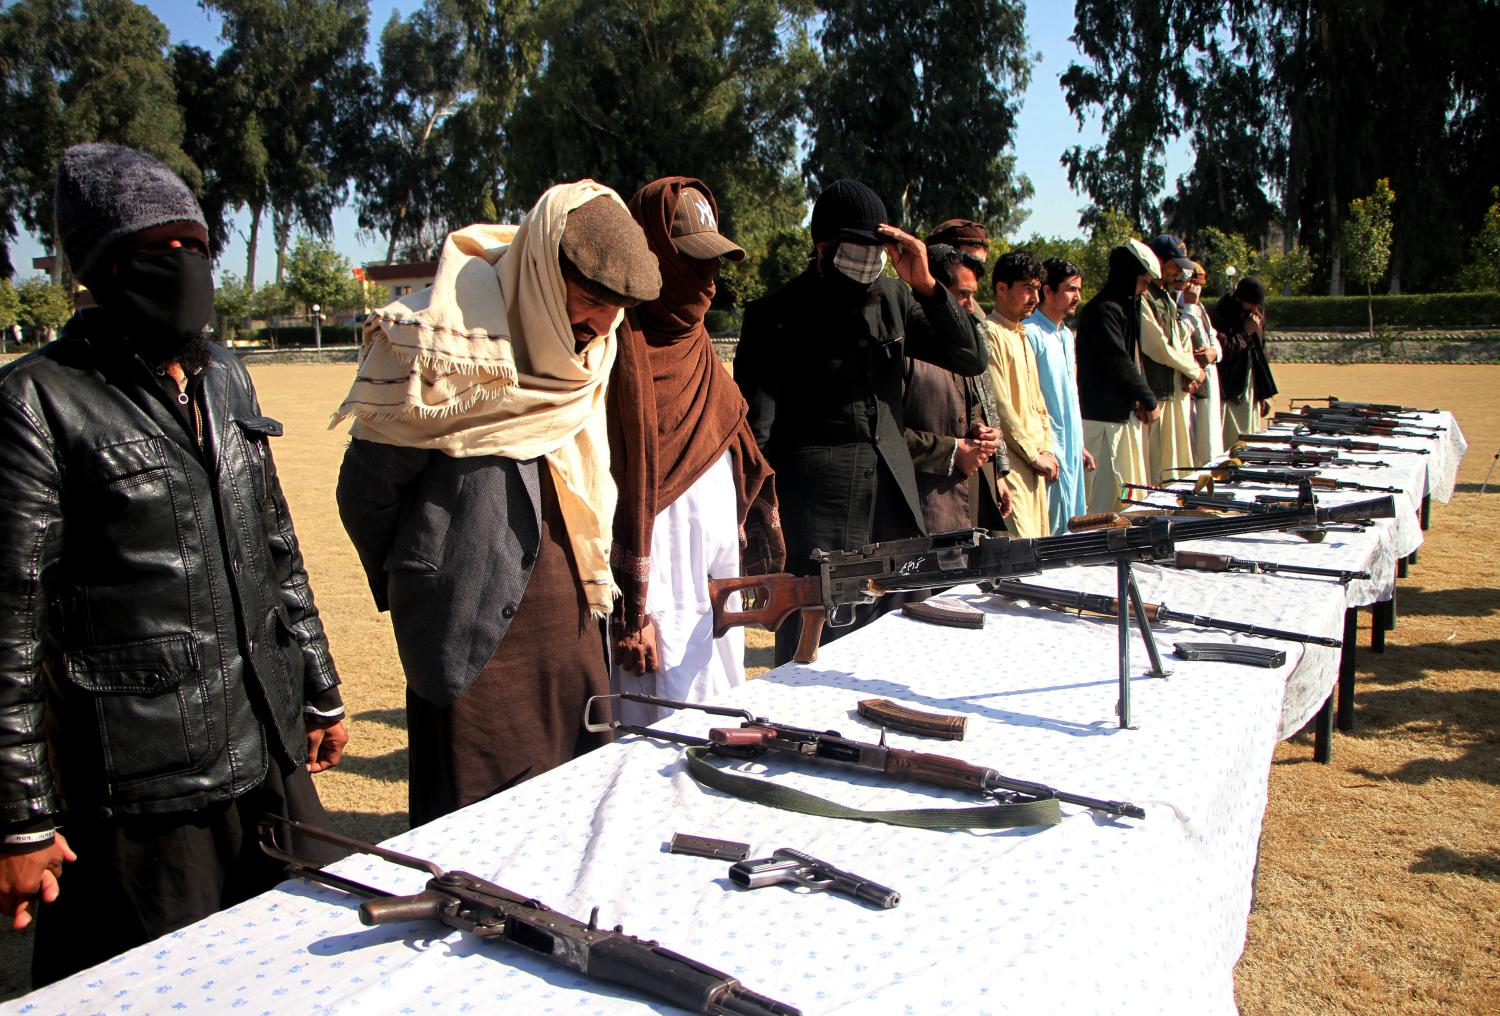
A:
[989,816]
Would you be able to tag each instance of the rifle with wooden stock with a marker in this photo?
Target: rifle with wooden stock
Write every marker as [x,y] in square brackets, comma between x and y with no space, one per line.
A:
[1233,471]
[849,578]
[1313,441]
[492,913]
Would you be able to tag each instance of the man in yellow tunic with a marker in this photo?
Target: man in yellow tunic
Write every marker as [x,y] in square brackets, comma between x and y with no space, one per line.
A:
[1017,279]
[1168,364]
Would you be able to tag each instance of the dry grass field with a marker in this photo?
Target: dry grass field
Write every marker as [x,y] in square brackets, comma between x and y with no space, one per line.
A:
[1379,886]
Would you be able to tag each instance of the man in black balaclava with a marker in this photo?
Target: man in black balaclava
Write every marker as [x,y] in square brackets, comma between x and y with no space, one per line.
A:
[820,364]
[1113,396]
[164,677]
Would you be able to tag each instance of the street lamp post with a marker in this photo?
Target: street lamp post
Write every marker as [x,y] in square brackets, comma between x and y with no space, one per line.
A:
[317,316]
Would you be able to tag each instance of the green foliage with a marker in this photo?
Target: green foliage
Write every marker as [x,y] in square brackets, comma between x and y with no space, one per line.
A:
[1218,252]
[74,71]
[703,88]
[1140,80]
[1425,311]
[1483,269]
[786,257]
[272,301]
[920,102]
[318,274]
[1287,273]
[10,305]
[1367,235]
[293,75]
[1111,229]
[429,167]
[43,306]
[1367,240]
[233,302]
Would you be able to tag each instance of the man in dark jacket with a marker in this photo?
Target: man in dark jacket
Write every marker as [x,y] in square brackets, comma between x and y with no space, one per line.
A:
[958,454]
[820,364]
[164,677]
[1245,381]
[1113,396]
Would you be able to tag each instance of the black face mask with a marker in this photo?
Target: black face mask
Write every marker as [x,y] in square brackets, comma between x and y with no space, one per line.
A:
[164,300]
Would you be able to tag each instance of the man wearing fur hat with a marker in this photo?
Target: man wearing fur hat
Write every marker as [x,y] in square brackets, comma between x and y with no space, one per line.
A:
[820,364]
[164,677]
[477,489]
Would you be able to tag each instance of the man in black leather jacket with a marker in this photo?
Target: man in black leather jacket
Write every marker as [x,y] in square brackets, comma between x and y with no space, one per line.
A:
[164,676]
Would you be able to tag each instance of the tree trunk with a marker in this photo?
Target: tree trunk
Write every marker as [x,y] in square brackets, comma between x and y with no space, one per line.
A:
[251,245]
[1370,307]
[281,228]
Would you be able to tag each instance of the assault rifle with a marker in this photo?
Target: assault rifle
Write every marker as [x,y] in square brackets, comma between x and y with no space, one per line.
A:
[1094,603]
[1363,408]
[492,913]
[848,578]
[1367,419]
[1312,441]
[1347,425]
[1232,472]
[757,736]
[1211,502]
[1305,458]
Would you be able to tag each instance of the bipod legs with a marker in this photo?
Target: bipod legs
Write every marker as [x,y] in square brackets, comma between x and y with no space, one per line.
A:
[1128,599]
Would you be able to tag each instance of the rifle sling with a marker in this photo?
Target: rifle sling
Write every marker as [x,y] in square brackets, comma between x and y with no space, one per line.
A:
[989,816]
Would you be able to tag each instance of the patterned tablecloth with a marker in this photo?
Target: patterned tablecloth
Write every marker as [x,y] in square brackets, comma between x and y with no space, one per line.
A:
[1092,915]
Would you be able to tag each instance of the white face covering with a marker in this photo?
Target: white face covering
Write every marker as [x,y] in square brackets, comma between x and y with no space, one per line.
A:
[862,262]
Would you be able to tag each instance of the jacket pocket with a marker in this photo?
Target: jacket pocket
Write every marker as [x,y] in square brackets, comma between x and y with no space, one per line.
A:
[149,702]
[257,432]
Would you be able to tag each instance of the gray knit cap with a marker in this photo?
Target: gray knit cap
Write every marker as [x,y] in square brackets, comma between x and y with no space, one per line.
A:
[107,192]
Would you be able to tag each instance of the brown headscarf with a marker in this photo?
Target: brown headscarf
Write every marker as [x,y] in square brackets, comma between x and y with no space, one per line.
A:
[674,410]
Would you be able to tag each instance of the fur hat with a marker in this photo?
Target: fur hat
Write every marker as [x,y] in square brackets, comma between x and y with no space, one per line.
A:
[608,248]
[107,192]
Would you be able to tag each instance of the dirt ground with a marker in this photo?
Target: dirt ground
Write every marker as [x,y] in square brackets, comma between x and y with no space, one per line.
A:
[1379,885]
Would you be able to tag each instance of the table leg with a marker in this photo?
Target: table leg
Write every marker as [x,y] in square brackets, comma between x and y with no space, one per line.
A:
[1401,566]
[1377,627]
[1323,732]
[1346,669]
[1426,511]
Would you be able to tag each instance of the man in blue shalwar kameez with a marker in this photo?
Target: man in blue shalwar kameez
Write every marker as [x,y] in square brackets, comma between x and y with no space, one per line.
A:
[1052,341]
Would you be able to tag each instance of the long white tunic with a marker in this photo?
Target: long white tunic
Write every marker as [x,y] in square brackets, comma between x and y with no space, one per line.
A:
[695,538]
[1207,413]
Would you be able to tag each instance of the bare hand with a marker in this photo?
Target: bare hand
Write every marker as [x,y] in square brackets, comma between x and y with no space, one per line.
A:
[1145,415]
[910,259]
[1007,506]
[1089,465]
[1047,466]
[636,650]
[23,876]
[972,453]
[325,744]
[1265,407]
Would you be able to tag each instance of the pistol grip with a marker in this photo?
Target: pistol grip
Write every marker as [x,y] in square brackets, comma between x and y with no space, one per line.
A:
[811,634]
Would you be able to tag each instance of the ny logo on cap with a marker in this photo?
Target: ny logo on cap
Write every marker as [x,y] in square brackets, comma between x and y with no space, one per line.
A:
[701,209]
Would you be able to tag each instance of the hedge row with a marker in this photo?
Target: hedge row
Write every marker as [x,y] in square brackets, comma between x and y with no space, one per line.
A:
[302,335]
[1425,310]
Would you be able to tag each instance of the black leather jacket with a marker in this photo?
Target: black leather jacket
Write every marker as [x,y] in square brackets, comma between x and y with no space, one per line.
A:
[158,639]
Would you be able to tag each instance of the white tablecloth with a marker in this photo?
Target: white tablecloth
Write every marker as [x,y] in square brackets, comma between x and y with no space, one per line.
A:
[1092,915]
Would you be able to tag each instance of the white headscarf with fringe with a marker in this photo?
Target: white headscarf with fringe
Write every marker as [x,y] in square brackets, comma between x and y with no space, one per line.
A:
[484,362]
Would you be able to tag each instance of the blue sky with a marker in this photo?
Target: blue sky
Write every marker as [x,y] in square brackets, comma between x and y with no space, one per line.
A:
[1046,130]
